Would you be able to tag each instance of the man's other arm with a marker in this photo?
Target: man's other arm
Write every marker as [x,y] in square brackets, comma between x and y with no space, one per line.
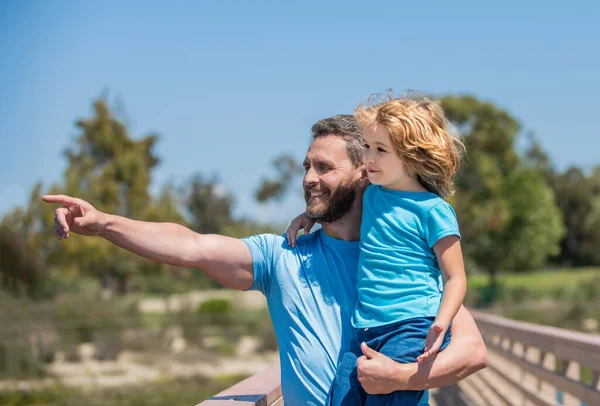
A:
[465,355]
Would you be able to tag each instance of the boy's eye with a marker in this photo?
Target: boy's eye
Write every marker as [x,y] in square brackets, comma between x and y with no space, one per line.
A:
[366,146]
[380,149]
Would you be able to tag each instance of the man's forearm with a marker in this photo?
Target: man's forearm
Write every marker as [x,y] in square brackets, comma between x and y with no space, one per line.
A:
[465,355]
[162,242]
[447,368]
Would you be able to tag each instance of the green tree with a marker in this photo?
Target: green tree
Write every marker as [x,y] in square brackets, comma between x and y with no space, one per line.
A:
[112,170]
[275,188]
[27,243]
[109,167]
[592,228]
[210,208]
[209,204]
[20,272]
[575,194]
[506,211]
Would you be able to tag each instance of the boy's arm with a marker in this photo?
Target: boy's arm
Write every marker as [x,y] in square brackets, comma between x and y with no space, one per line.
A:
[465,355]
[450,259]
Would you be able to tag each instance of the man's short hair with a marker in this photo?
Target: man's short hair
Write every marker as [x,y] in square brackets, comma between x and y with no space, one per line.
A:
[346,127]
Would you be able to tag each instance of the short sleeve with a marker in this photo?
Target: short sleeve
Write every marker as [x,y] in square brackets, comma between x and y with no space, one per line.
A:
[263,250]
[441,222]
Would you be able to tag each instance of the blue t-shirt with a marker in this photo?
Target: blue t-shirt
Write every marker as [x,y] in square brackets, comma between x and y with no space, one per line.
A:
[398,274]
[311,294]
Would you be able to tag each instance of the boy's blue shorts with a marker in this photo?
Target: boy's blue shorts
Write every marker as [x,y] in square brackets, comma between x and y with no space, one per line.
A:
[403,342]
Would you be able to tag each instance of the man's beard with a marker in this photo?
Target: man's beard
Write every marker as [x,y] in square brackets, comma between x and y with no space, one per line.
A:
[336,206]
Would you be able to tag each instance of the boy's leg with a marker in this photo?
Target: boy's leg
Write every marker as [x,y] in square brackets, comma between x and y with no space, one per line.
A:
[400,398]
[403,342]
[346,390]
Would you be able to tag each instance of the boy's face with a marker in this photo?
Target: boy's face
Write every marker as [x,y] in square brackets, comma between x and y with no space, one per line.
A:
[330,181]
[384,166]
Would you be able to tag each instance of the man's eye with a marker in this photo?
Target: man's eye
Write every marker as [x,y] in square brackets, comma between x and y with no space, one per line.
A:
[306,168]
[324,167]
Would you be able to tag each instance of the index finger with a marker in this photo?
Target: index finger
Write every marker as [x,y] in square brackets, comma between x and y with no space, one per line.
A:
[62,199]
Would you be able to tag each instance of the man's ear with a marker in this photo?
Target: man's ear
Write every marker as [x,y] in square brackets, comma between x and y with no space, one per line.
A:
[364,179]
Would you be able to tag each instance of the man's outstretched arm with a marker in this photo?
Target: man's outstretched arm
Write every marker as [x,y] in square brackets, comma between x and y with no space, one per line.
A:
[224,259]
[465,355]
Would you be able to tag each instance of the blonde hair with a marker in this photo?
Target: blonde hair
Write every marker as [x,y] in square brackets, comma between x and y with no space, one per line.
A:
[420,134]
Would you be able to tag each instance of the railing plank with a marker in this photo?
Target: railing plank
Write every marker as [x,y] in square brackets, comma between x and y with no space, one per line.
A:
[568,346]
[565,344]
[577,389]
[533,396]
[262,389]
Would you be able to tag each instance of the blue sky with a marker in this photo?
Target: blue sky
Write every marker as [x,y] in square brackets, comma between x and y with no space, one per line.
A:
[229,85]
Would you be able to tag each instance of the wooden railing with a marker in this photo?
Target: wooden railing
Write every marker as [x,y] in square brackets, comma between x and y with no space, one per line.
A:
[529,364]
[262,389]
[540,365]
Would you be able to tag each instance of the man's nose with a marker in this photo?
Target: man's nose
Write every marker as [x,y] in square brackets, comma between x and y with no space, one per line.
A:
[310,177]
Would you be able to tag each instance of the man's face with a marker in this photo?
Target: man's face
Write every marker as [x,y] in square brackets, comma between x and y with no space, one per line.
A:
[330,182]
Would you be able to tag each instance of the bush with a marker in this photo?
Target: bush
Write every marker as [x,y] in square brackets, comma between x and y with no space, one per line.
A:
[84,319]
[215,306]
[565,284]
[216,311]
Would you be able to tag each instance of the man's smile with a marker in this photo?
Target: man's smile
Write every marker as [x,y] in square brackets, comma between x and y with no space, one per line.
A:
[315,194]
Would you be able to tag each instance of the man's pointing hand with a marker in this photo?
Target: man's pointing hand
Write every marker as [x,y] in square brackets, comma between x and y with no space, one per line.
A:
[75,215]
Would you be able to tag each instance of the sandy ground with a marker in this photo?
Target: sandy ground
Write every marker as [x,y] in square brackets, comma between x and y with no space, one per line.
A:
[247,300]
[180,361]
[130,369]
[140,367]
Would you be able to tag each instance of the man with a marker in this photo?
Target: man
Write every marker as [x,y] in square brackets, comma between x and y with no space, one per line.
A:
[310,289]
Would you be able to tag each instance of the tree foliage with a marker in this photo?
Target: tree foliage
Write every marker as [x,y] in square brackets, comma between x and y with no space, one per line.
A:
[109,168]
[507,214]
[286,169]
[577,193]
[576,196]
[210,208]
[20,273]
[209,204]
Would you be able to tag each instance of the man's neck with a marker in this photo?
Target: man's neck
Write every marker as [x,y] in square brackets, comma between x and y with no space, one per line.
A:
[348,227]
[342,231]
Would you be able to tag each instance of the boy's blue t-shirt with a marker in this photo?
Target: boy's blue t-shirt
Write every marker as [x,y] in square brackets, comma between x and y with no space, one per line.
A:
[311,294]
[398,274]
